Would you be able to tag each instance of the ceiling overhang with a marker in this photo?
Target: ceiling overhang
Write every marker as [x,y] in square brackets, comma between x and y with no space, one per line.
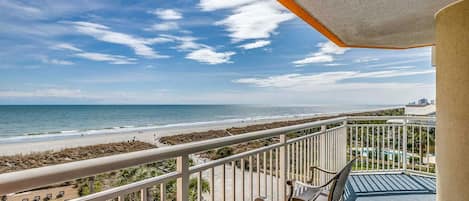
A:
[387,24]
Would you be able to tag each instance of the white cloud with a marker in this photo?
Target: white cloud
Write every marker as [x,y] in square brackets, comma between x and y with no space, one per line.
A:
[251,19]
[113,59]
[167,14]
[159,40]
[398,62]
[186,43]
[66,46]
[200,52]
[330,48]
[211,5]
[325,54]
[56,61]
[314,59]
[328,80]
[21,8]
[94,56]
[365,60]
[164,26]
[400,67]
[209,56]
[255,44]
[335,64]
[103,33]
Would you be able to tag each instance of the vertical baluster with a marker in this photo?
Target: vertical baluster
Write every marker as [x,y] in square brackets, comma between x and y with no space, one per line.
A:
[393,145]
[404,145]
[367,146]
[277,171]
[301,152]
[350,142]
[199,186]
[328,150]
[361,148]
[162,192]
[413,147]
[314,158]
[293,161]
[271,170]
[297,156]
[265,173]
[325,151]
[243,193]
[284,163]
[143,194]
[399,149]
[223,181]
[356,145]
[212,184]
[233,179]
[331,149]
[389,145]
[288,161]
[420,148]
[307,158]
[428,149]
[373,147]
[335,148]
[251,179]
[258,168]
[382,148]
[315,151]
[318,156]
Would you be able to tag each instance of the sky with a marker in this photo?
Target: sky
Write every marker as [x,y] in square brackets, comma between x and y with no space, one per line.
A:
[192,52]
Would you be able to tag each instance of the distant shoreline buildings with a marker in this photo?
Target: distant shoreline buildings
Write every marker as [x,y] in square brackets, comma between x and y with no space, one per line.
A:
[422,107]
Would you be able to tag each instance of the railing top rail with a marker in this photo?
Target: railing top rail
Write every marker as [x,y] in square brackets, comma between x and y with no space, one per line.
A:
[415,118]
[43,176]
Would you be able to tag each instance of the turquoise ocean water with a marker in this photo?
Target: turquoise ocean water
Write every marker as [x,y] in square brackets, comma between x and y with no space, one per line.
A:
[23,121]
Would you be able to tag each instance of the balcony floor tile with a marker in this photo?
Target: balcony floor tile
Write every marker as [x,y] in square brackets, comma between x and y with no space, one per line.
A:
[362,187]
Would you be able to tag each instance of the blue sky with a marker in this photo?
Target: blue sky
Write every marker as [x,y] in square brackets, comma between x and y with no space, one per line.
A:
[201,52]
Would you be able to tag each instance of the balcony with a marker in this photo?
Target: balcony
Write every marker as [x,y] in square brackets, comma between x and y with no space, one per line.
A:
[395,161]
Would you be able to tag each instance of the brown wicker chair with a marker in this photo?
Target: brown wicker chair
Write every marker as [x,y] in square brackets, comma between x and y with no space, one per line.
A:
[307,192]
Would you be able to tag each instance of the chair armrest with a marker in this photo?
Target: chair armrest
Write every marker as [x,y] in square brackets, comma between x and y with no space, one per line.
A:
[312,168]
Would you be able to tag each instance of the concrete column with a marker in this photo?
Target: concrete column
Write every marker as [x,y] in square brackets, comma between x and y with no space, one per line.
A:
[452,93]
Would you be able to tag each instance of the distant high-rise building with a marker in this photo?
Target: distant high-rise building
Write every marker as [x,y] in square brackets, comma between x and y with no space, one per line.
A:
[423,101]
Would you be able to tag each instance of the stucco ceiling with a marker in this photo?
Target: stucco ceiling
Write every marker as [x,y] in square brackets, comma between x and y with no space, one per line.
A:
[371,23]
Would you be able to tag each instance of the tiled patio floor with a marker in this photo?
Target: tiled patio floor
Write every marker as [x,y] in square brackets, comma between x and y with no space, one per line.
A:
[367,187]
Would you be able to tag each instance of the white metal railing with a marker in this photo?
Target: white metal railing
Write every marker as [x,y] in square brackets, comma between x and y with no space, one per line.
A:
[381,144]
[260,172]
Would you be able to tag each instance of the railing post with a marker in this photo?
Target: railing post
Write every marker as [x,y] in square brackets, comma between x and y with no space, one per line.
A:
[404,145]
[343,145]
[283,167]
[183,181]
[323,154]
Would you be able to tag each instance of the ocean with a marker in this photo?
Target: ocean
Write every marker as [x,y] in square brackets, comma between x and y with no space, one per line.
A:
[19,122]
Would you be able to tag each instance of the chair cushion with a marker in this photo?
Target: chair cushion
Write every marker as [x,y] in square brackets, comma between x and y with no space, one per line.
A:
[304,193]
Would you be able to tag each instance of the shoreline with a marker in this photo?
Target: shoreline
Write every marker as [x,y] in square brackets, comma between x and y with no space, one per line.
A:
[147,135]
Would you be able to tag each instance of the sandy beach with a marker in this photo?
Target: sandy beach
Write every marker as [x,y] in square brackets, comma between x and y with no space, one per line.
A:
[150,136]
